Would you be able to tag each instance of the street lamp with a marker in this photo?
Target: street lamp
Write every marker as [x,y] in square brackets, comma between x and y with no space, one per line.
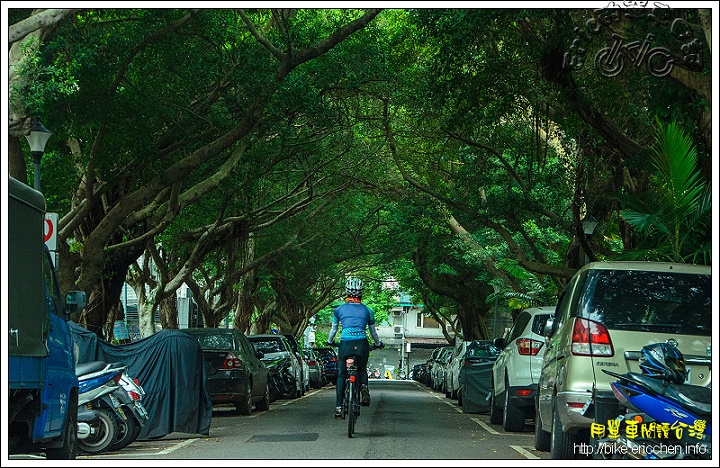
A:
[37,138]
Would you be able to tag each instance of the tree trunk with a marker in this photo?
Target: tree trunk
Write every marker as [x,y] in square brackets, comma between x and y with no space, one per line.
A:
[168,312]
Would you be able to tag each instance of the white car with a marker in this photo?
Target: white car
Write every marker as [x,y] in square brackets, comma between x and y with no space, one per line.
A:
[517,370]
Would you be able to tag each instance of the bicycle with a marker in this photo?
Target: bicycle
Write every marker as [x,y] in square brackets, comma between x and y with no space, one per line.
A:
[351,400]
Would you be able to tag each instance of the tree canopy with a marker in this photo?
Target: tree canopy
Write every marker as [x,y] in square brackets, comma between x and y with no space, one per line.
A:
[262,155]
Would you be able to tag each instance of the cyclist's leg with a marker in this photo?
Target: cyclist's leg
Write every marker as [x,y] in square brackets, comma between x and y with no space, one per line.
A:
[364,350]
[342,373]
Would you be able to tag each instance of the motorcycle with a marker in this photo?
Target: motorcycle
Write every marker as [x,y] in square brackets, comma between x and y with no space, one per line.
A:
[281,379]
[130,394]
[97,405]
[662,419]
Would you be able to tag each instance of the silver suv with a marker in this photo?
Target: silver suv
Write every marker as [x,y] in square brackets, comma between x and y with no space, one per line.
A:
[607,313]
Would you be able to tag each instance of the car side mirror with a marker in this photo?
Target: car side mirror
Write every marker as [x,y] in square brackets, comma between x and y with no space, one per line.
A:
[548,330]
[75,301]
[499,343]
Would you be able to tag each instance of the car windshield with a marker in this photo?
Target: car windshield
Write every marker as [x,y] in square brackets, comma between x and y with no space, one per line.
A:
[649,301]
[222,341]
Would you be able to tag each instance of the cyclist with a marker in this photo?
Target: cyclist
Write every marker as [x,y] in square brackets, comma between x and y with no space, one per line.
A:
[354,317]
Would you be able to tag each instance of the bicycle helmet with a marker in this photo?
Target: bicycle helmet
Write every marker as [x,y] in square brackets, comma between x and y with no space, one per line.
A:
[663,360]
[354,287]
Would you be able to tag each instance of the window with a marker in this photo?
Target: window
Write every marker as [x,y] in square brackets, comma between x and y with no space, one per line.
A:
[649,301]
[426,322]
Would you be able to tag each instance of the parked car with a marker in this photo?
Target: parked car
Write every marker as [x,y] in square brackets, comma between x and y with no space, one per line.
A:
[476,374]
[452,370]
[605,315]
[430,364]
[301,360]
[234,370]
[517,370]
[330,363]
[438,370]
[417,373]
[275,347]
[315,365]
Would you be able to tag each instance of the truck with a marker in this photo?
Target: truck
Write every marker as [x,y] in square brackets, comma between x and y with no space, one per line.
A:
[43,387]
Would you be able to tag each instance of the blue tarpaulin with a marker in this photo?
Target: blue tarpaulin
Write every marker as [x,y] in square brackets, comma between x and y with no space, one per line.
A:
[170,367]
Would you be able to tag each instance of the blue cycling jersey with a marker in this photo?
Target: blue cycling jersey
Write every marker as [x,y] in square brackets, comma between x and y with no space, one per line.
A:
[354,317]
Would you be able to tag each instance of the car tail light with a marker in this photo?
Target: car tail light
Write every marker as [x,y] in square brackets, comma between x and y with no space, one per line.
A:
[333,359]
[523,392]
[528,347]
[232,362]
[591,339]
[312,363]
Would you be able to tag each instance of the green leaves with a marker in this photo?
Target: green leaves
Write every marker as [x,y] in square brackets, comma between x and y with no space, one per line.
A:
[673,217]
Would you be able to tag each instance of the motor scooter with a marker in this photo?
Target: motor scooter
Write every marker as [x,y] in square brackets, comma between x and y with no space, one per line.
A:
[97,406]
[661,420]
[130,394]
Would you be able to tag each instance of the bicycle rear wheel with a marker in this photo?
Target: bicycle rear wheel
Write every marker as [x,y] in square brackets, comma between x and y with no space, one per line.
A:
[350,396]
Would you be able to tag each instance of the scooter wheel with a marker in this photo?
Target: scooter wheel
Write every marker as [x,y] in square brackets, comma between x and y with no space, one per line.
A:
[102,433]
[127,432]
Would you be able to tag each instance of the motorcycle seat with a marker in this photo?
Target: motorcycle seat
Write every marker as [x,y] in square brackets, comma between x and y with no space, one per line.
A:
[89,367]
[691,397]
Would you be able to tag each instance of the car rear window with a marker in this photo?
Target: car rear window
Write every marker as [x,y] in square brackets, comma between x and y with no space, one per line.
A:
[651,301]
[270,346]
[222,341]
[482,350]
[538,324]
[326,353]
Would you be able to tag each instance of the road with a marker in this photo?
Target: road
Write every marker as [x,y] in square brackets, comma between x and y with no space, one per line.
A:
[406,420]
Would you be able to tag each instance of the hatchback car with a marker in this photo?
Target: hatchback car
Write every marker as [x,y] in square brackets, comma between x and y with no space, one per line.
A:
[235,372]
[517,369]
[276,347]
[607,313]
[330,363]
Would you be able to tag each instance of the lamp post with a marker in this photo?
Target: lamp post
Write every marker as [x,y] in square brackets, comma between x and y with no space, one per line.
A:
[37,138]
[495,290]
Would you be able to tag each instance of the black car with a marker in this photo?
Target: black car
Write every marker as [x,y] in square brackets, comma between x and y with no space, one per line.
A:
[234,370]
[330,363]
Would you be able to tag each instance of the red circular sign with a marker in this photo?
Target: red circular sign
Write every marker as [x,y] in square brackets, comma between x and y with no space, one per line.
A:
[48,230]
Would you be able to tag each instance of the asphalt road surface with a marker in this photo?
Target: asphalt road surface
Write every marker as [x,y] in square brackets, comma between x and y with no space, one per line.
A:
[405,421]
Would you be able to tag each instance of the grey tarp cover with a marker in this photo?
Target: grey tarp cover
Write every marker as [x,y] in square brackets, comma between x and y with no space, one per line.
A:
[476,385]
[170,367]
